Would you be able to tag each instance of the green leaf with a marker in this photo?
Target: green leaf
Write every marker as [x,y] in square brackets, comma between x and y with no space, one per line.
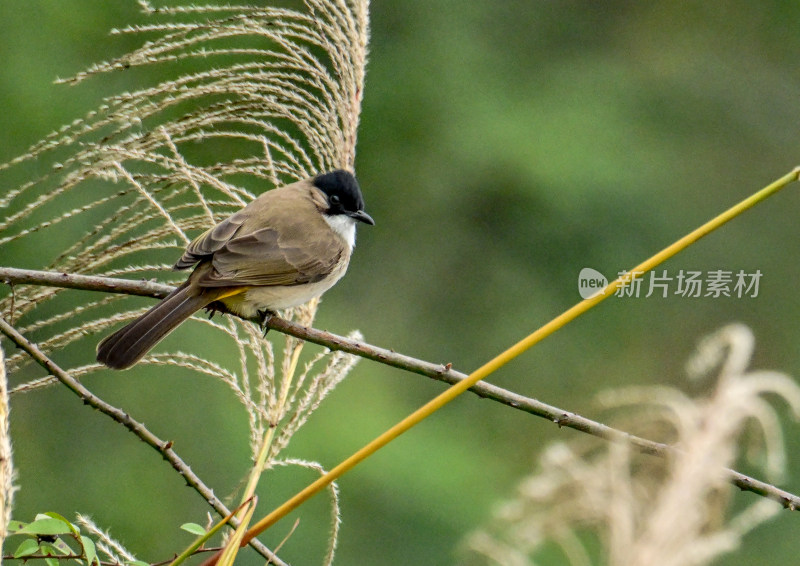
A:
[14,526]
[74,528]
[193,528]
[26,548]
[137,563]
[89,551]
[46,526]
[48,549]
[61,546]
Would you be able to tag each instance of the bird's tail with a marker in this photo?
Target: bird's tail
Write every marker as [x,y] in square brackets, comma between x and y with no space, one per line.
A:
[129,344]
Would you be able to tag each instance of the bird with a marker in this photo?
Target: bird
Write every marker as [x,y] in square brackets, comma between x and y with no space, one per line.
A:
[284,248]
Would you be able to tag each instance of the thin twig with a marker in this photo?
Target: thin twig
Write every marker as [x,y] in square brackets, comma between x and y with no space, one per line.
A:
[439,372]
[137,428]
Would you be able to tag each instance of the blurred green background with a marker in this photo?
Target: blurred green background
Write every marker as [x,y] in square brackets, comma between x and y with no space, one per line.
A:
[503,147]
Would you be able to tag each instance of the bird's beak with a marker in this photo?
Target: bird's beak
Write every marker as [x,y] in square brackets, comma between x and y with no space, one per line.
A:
[362,216]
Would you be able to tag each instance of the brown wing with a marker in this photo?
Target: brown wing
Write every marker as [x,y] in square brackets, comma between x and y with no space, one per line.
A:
[211,241]
[263,258]
[246,248]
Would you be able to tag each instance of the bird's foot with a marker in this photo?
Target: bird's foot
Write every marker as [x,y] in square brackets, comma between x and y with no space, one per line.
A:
[264,317]
[212,309]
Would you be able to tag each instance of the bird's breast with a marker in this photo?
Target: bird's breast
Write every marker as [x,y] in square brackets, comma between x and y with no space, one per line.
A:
[277,297]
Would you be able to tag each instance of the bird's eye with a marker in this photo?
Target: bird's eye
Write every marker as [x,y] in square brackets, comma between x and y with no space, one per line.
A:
[334,200]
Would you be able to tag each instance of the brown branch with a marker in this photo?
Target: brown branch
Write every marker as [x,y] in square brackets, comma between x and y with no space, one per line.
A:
[439,372]
[137,428]
[13,276]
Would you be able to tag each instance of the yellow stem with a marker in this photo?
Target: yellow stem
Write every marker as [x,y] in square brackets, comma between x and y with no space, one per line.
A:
[269,435]
[287,380]
[180,559]
[258,467]
[511,353]
[231,549]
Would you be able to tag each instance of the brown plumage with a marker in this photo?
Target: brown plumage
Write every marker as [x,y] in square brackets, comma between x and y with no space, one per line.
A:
[286,247]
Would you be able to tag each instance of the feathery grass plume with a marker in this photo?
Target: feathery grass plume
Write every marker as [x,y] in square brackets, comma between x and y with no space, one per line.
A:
[333,490]
[646,511]
[258,97]
[7,486]
[112,549]
[277,92]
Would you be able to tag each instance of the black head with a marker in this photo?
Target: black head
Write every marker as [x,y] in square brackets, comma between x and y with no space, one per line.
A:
[344,195]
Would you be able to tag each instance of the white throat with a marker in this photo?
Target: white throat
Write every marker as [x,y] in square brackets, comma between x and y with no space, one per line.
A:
[344,226]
